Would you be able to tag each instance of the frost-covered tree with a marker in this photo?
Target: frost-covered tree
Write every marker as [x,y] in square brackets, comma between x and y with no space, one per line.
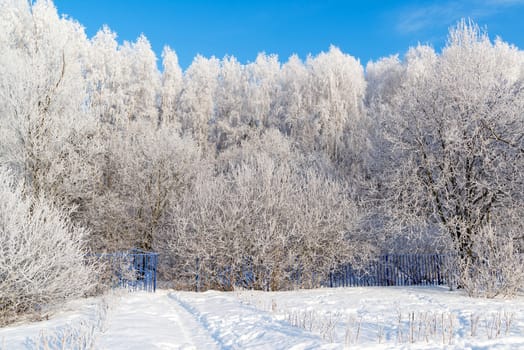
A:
[172,80]
[149,169]
[245,99]
[42,93]
[453,136]
[291,112]
[263,163]
[230,125]
[124,82]
[335,101]
[104,76]
[262,87]
[262,212]
[42,254]
[141,83]
[196,108]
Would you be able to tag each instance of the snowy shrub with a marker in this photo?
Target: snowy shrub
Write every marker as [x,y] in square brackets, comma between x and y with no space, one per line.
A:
[41,254]
[261,222]
[496,266]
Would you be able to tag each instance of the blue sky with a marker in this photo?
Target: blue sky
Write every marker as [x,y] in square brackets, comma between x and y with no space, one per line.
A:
[366,29]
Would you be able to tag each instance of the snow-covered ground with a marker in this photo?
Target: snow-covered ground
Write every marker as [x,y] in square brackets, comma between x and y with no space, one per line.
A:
[378,318]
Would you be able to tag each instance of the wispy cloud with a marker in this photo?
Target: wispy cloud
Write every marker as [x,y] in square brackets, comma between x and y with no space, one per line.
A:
[415,19]
[418,18]
[504,2]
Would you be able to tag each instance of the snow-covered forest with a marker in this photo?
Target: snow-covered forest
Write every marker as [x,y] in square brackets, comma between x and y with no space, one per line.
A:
[305,164]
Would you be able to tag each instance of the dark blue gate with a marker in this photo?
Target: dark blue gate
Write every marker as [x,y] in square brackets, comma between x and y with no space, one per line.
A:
[134,270]
[144,266]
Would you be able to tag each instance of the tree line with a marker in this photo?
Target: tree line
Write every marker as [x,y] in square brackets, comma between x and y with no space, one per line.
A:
[294,166]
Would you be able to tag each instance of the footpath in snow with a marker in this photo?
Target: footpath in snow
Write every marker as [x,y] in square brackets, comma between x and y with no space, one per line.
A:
[211,320]
[153,321]
[163,320]
[235,325]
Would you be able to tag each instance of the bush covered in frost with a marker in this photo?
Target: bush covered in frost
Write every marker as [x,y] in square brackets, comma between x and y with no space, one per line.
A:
[42,255]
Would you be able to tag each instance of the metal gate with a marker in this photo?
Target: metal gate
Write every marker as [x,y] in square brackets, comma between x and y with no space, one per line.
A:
[134,270]
[144,267]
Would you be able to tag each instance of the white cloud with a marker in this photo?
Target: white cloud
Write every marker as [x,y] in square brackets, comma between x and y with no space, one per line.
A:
[504,2]
[445,13]
[415,19]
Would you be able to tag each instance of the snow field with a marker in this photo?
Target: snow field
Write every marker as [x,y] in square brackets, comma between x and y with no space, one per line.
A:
[368,318]
[398,317]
